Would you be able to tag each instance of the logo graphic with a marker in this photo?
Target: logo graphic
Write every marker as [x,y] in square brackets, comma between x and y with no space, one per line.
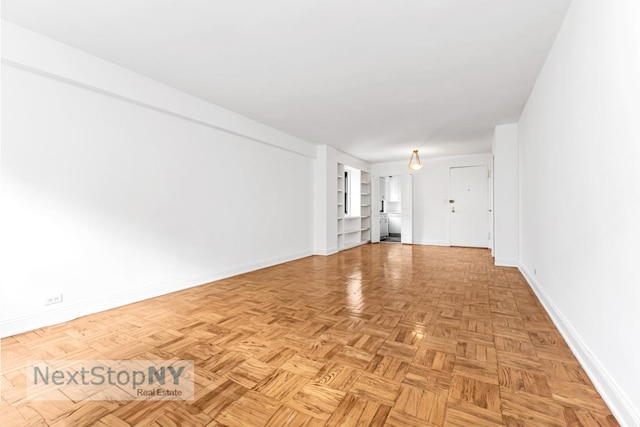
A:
[110,380]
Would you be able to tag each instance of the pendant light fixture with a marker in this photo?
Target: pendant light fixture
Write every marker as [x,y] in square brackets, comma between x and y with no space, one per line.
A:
[414,162]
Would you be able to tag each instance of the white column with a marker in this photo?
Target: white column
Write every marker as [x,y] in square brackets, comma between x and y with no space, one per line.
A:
[505,196]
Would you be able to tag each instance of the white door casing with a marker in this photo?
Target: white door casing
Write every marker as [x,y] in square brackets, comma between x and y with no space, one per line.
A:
[375,209]
[406,207]
[468,206]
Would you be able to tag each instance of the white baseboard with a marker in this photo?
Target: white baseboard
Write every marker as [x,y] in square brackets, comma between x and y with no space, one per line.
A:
[506,262]
[67,312]
[353,245]
[431,243]
[621,406]
[325,252]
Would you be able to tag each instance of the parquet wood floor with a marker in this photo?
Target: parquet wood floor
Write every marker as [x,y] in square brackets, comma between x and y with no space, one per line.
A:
[391,335]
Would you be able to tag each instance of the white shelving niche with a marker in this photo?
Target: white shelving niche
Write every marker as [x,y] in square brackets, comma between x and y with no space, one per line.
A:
[354,207]
[341,201]
[365,207]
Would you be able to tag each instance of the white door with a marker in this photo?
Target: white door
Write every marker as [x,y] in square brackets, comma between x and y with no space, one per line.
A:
[375,209]
[468,207]
[406,207]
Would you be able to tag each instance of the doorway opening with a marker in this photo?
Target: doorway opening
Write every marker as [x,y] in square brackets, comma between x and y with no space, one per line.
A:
[390,209]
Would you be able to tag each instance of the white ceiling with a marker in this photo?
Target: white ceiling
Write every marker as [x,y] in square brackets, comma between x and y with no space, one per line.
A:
[375,79]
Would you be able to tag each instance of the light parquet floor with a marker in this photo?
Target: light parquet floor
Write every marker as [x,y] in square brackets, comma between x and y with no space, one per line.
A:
[390,335]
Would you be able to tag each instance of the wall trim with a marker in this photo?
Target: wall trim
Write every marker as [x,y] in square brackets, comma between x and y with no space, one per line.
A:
[64,313]
[506,262]
[621,406]
[431,243]
[325,252]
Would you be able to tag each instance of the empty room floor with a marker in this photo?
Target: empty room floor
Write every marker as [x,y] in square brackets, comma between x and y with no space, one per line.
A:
[392,335]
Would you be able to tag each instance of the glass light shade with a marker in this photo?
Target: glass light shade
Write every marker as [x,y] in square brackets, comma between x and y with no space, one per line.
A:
[414,162]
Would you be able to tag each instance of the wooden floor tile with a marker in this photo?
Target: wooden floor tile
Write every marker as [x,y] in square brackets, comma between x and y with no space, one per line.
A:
[424,405]
[357,411]
[353,357]
[386,334]
[252,409]
[368,343]
[398,350]
[398,418]
[577,395]
[478,393]
[303,366]
[523,381]
[281,385]
[435,359]
[376,388]
[337,376]
[316,400]
[524,408]
[464,414]
[388,367]
[287,417]
[476,369]
[582,417]
[250,372]
[563,371]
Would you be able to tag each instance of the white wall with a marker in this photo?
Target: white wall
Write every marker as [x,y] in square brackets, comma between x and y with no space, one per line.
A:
[579,193]
[110,196]
[351,161]
[505,195]
[325,198]
[431,193]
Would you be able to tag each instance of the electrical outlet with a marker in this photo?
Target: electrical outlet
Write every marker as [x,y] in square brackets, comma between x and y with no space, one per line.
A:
[53,299]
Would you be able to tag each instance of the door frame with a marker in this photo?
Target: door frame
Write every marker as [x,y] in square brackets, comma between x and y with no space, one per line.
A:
[375,209]
[406,208]
[489,202]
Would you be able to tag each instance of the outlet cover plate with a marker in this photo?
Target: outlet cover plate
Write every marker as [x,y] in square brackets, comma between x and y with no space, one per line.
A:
[53,299]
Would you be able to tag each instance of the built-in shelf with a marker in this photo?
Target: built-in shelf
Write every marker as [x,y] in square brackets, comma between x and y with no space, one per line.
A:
[365,207]
[353,231]
[340,205]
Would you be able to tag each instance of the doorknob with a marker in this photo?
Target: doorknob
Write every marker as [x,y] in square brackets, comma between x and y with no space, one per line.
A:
[451,201]
[453,209]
